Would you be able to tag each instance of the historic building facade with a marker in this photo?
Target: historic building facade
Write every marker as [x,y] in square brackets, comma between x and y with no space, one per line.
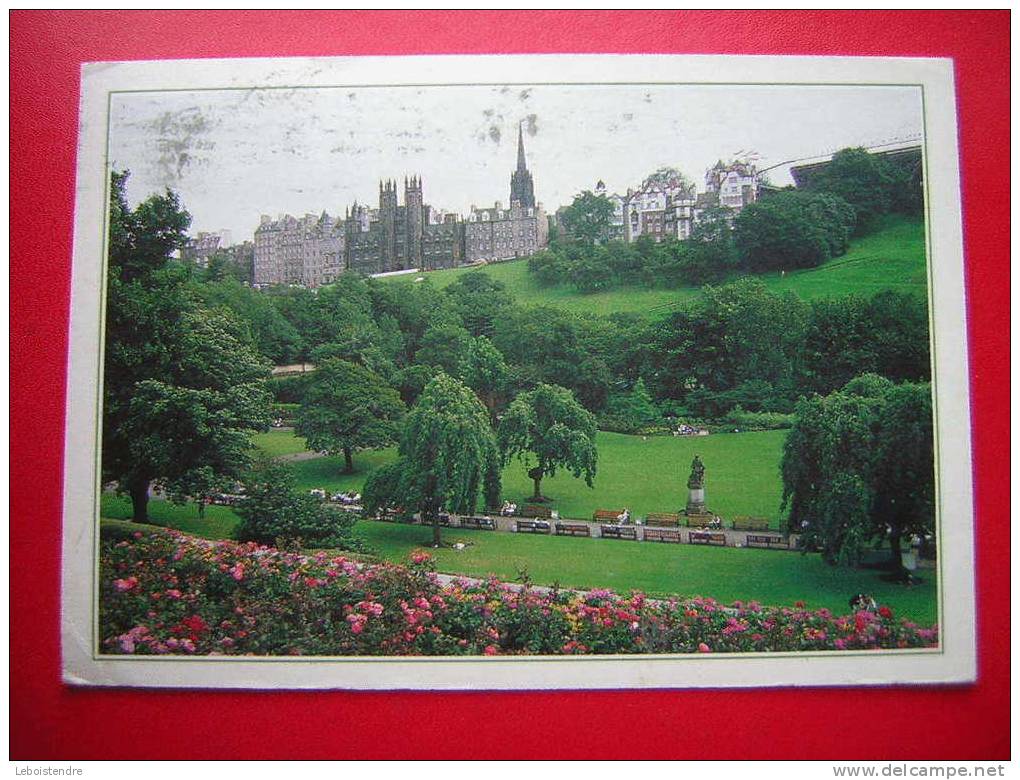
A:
[306,251]
[398,237]
[503,234]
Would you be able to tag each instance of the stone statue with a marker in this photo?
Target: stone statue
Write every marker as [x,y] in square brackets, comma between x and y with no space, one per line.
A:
[696,488]
[697,479]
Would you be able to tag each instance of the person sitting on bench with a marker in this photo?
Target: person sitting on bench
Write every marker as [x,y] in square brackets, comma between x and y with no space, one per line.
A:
[624,517]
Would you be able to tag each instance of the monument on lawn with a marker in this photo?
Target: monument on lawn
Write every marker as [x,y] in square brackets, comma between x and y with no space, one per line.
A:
[696,488]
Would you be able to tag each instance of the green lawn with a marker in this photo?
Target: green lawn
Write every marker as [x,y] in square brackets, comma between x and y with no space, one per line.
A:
[727,574]
[643,475]
[219,522]
[276,442]
[891,258]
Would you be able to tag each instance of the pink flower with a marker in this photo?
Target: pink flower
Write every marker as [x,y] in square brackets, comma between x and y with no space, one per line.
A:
[126,584]
[237,572]
[703,648]
[491,650]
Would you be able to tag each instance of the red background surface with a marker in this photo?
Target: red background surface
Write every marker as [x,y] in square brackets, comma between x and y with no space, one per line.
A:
[49,720]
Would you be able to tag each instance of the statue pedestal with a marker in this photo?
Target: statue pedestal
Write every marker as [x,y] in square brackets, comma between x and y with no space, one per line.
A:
[695,501]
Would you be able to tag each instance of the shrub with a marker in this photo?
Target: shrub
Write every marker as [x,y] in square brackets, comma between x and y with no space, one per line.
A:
[273,512]
[174,594]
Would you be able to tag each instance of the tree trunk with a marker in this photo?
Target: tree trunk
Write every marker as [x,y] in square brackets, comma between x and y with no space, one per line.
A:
[896,563]
[348,461]
[437,537]
[201,509]
[139,492]
[538,489]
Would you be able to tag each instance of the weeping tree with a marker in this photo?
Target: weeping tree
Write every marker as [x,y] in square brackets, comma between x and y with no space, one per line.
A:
[549,426]
[858,466]
[448,457]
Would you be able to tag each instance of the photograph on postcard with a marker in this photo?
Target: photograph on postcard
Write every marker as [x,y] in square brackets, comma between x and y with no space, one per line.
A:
[519,366]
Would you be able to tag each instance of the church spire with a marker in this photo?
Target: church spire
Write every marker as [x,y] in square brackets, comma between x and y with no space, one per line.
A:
[521,163]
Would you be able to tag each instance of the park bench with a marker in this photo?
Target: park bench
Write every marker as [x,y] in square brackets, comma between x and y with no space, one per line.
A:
[532,526]
[704,537]
[606,514]
[480,523]
[572,529]
[444,520]
[662,535]
[704,520]
[226,499]
[662,519]
[618,532]
[531,510]
[769,541]
[750,524]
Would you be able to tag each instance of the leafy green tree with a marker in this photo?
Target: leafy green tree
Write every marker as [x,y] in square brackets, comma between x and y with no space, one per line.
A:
[587,218]
[448,457]
[866,181]
[183,387]
[348,408]
[791,230]
[484,370]
[443,346]
[276,338]
[631,411]
[858,465]
[549,426]
[480,301]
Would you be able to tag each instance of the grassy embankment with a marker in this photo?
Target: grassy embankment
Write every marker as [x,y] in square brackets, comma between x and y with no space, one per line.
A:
[891,258]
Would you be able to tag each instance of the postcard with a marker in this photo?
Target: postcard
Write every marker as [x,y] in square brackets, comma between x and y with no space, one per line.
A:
[518,372]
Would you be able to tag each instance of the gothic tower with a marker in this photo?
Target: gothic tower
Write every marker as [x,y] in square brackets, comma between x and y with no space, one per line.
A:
[522,188]
[414,214]
[387,225]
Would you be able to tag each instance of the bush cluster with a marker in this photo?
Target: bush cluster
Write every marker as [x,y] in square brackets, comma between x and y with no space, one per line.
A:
[167,593]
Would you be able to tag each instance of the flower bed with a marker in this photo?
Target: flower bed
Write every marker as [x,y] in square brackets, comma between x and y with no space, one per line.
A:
[167,593]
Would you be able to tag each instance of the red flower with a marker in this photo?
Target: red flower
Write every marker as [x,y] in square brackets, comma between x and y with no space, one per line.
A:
[885,612]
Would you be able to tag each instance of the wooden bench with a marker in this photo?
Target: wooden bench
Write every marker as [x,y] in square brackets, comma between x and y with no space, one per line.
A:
[444,520]
[750,524]
[532,526]
[698,521]
[572,529]
[662,535]
[480,523]
[703,537]
[618,532]
[769,541]
[662,519]
[531,510]
[606,514]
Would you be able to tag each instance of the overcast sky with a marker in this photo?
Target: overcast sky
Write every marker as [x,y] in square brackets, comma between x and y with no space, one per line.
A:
[233,155]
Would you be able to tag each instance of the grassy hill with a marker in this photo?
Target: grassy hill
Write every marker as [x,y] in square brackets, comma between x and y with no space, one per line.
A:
[892,257]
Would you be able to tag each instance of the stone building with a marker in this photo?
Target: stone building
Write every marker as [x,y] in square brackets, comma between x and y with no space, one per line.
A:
[398,237]
[734,184]
[504,234]
[198,250]
[306,251]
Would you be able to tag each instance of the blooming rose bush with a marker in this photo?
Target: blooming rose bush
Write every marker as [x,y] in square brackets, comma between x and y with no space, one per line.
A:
[166,593]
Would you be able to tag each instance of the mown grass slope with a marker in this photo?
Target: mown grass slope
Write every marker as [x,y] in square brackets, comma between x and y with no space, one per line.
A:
[890,258]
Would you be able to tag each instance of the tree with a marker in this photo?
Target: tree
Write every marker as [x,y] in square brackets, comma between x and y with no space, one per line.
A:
[443,346]
[548,424]
[480,300]
[484,370]
[587,218]
[858,465]
[448,456]
[866,181]
[183,387]
[792,230]
[347,408]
